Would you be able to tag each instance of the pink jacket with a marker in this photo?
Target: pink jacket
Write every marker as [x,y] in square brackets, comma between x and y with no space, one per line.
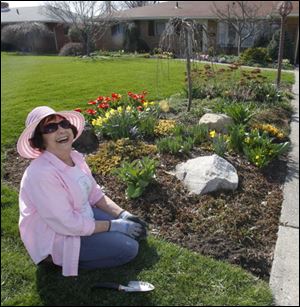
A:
[49,201]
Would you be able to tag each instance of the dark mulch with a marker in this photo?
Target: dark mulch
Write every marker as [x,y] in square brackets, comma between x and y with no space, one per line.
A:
[239,227]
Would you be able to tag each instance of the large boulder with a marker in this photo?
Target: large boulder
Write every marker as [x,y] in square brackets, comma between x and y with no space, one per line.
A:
[218,122]
[207,174]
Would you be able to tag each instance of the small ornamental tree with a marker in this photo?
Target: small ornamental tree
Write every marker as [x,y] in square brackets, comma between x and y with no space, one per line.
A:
[182,33]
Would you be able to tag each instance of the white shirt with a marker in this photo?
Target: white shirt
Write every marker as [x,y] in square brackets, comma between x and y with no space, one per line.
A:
[85,185]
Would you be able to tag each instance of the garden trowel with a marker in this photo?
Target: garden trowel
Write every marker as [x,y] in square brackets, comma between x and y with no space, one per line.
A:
[133,286]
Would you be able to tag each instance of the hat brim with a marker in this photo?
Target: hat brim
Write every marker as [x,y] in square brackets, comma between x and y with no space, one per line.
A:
[23,146]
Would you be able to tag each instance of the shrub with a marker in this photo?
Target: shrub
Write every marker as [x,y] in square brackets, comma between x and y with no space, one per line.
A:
[255,55]
[260,149]
[111,154]
[71,49]
[164,127]
[137,175]
[74,35]
[288,47]
[29,37]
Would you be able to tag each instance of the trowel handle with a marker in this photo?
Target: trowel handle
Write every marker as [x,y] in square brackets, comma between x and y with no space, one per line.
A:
[107,285]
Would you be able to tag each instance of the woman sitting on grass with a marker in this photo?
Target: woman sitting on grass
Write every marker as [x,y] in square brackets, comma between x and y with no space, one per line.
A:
[64,215]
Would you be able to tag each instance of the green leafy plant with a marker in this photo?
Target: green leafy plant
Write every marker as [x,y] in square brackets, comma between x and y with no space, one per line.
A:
[198,133]
[112,153]
[175,145]
[239,112]
[119,125]
[165,127]
[137,175]
[220,144]
[255,55]
[260,149]
[146,123]
[236,137]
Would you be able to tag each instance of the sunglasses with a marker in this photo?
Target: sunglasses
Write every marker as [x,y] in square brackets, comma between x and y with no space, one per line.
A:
[52,127]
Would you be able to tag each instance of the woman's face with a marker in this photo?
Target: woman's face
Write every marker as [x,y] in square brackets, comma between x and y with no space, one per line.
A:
[59,140]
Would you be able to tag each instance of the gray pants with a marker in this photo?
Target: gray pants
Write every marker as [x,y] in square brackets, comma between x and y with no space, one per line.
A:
[106,249]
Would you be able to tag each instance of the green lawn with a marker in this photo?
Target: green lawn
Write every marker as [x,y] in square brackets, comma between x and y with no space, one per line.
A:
[180,277]
[67,83]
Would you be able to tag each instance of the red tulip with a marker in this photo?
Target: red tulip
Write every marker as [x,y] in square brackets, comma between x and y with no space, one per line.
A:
[91,111]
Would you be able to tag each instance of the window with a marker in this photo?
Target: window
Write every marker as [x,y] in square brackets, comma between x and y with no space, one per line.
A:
[156,28]
[66,30]
[159,27]
[231,36]
[221,34]
[117,29]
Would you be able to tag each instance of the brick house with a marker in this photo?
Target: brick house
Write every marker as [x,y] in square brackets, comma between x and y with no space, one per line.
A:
[151,21]
[11,16]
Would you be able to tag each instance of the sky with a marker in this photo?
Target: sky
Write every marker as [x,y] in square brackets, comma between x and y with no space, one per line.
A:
[23,3]
[28,3]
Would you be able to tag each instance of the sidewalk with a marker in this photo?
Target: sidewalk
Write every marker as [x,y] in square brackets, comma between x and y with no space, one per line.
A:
[284,279]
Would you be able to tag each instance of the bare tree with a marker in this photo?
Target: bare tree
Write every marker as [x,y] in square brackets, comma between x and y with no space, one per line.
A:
[241,16]
[90,18]
[132,4]
[182,33]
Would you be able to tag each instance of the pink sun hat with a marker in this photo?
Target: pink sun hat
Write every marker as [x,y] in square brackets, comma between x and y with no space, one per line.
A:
[32,121]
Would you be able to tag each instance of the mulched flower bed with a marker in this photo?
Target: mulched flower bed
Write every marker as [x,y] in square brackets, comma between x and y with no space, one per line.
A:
[239,227]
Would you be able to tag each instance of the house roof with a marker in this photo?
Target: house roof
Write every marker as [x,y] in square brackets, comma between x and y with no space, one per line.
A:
[22,14]
[193,9]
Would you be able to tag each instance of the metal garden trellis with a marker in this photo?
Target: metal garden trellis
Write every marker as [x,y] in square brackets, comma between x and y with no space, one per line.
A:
[284,9]
[181,36]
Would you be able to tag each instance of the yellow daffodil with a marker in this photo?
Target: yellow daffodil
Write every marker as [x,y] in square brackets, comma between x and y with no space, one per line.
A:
[99,121]
[280,135]
[212,133]
[247,140]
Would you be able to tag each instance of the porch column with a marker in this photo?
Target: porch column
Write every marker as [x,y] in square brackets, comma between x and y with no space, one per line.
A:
[296,46]
[204,36]
[55,38]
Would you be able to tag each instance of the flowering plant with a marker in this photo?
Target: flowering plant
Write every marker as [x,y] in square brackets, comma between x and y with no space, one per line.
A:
[102,105]
[260,149]
[115,117]
[219,142]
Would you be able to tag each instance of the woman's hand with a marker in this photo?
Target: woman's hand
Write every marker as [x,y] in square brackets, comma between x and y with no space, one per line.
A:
[125,215]
[132,229]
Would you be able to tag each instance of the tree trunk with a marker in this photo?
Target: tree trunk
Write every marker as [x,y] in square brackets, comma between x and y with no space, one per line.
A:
[87,45]
[188,67]
[239,45]
[281,42]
